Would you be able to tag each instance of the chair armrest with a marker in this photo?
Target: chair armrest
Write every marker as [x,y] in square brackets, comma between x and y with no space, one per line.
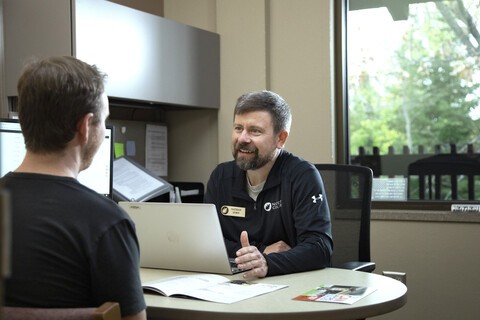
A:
[107,311]
[358,266]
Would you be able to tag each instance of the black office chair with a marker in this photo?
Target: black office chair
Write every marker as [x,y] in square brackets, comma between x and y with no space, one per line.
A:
[349,194]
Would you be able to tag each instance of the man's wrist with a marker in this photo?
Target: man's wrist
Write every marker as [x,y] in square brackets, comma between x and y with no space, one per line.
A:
[260,246]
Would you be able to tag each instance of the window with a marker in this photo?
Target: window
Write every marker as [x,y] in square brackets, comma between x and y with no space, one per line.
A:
[413,97]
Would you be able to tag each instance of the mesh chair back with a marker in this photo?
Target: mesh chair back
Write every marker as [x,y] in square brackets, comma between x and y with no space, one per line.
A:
[349,192]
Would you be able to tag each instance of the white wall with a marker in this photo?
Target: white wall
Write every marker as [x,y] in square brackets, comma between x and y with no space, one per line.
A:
[301,70]
[243,56]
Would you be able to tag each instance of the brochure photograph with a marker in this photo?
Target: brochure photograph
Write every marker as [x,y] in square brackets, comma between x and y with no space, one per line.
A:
[335,294]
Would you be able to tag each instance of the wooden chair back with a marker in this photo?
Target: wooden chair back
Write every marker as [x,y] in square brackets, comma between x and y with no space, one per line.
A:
[107,311]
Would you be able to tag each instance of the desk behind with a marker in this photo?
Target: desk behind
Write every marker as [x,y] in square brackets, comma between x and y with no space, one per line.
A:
[389,296]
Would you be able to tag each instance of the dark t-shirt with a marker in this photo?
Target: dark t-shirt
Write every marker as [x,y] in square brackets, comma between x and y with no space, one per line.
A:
[71,247]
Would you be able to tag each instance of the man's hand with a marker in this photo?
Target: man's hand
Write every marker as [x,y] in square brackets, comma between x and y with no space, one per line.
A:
[279,246]
[248,257]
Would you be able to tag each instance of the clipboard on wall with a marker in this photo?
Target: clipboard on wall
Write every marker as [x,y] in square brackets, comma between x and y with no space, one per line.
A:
[133,182]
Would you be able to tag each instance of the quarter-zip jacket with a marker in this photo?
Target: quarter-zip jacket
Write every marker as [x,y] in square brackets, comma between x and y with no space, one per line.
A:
[291,207]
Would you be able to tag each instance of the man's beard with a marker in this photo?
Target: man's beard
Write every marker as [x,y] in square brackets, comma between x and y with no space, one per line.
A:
[257,162]
[90,150]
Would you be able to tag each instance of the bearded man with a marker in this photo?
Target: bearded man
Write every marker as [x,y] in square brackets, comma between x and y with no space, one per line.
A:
[271,204]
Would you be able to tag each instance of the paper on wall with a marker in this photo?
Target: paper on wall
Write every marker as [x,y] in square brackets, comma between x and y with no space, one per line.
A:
[156,159]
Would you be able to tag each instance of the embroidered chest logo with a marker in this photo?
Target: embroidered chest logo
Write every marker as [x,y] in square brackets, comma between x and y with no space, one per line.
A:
[268,206]
[319,198]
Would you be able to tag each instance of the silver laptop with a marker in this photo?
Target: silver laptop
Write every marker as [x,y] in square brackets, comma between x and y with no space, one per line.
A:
[180,236]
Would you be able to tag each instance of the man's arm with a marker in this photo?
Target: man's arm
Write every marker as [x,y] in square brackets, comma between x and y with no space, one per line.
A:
[115,270]
[311,226]
[279,246]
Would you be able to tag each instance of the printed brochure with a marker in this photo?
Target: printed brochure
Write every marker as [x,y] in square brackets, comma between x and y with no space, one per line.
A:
[209,287]
[335,293]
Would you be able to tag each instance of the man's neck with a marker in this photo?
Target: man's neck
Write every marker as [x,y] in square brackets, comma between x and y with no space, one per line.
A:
[57,164]
[260,175]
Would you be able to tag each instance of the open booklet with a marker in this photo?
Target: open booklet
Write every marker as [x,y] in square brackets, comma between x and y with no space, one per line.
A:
[209,287]
[335,293]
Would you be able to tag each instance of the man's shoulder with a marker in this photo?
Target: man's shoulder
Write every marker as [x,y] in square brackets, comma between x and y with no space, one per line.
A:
[226,169]
[104,206]
[293,163]
[102,215]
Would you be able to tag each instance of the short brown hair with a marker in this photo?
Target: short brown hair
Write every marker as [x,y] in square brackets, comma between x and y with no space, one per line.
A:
[53,95]
[266,101]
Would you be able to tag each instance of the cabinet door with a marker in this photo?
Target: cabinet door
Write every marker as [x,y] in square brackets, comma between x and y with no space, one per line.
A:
[147,57]
[34,29]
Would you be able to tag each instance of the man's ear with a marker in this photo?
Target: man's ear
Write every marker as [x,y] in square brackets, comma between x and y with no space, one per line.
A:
[282,137]
[83,127]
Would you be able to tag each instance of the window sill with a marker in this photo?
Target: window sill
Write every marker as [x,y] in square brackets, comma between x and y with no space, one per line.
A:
[425,216]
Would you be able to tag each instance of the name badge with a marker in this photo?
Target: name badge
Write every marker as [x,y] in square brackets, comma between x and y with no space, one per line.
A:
[233,211]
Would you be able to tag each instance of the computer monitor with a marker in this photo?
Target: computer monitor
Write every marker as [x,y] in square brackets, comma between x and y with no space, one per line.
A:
[98,176]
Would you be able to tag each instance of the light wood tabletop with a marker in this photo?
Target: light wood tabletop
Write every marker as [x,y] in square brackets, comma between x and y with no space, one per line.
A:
[389,295]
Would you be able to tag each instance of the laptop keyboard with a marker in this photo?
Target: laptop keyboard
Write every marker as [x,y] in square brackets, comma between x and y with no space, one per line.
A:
[233,266]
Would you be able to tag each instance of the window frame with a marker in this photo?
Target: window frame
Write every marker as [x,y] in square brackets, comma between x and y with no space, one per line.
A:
[342,142]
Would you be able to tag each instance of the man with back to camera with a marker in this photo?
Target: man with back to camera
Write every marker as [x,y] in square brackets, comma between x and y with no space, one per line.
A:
[71,247]
[271,204]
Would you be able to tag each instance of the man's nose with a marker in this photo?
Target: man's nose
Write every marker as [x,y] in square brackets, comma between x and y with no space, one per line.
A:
[244,136]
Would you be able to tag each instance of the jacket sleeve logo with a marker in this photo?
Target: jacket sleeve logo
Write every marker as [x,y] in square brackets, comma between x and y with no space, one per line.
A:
[319,198]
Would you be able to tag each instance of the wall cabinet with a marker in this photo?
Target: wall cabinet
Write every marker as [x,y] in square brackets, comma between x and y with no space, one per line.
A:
[147,58]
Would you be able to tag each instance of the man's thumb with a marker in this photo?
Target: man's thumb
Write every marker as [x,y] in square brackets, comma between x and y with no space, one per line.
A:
[244,239]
